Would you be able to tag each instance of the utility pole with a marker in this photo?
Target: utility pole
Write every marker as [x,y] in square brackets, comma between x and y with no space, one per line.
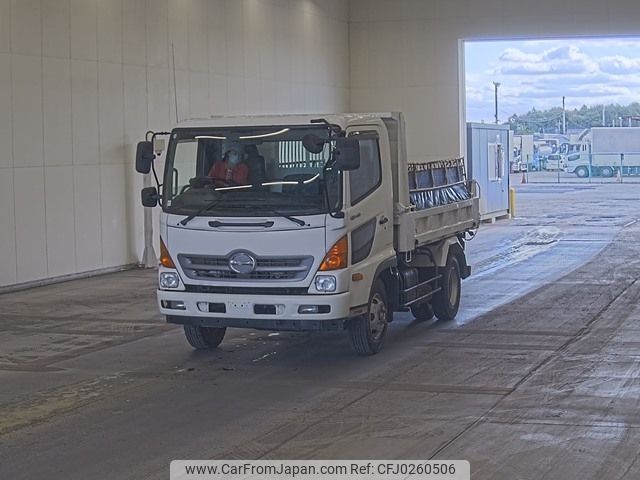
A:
[495,87]
[604,123]
[564,118]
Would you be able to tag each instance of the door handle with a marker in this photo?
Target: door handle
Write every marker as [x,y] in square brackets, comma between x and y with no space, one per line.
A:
[383,220]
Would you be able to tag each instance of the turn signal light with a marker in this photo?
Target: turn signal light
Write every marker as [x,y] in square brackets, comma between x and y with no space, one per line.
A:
[165,258]
[337,257]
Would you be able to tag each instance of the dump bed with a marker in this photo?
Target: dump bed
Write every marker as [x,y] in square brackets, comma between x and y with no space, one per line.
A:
[433,200]
[442,203]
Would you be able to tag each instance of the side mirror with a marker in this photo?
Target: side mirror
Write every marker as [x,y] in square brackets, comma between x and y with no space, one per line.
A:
[347,154]
[149,196]
[144,157]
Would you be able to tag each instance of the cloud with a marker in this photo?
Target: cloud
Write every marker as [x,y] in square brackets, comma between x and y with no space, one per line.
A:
[539,73]
[556,60]
[619,64]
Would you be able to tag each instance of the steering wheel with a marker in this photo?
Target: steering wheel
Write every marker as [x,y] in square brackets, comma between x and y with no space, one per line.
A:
[224,181]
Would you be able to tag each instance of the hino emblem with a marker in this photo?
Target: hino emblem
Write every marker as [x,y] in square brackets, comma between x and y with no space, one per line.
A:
[242,263]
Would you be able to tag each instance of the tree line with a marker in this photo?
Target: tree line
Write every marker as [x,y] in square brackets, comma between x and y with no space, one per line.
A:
[550,121]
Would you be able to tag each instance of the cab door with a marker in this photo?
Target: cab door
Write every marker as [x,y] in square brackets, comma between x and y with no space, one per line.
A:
[369,210]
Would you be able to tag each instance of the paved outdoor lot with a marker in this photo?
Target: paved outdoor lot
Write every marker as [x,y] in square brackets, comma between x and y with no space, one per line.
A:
[539,377]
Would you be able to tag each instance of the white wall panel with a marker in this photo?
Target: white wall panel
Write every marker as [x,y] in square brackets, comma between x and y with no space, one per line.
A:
[135,105]
[110,20]
[55,28]
[88,224]
[178,33]
[197,36]
[5,25]
[57,111]
[217,38]
[81,81]
[111,112]
[84,101]
[159,99]
[26,76]
[83,29]
[198,94]
[114,215]
[157,33]
[134,35]
[61,248]
[31,243]
[8,230]
[218,94]
[26,34]
[235,37]
[6,127]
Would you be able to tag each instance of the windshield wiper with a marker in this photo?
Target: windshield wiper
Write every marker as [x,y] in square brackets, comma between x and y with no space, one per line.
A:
[215,202]
[297,220]
[199,212]
[278,213]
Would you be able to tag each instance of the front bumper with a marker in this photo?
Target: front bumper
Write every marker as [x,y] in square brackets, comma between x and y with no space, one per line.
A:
[267,312]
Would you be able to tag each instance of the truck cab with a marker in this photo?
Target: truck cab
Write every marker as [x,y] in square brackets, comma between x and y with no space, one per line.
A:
[291,223]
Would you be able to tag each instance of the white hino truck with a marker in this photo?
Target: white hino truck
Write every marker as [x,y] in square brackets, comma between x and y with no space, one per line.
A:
[305,222]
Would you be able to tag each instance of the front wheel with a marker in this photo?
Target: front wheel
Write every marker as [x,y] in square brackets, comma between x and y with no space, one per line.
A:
[202,338]
[582,172]
[368,331]
[446,302]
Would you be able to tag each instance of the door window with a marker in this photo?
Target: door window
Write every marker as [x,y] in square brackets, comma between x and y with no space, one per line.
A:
[367,178]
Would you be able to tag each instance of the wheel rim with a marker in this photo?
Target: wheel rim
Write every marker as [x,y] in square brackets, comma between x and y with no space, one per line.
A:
[454,285]
[377,316]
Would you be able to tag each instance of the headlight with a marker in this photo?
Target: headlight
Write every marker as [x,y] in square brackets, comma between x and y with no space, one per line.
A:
[325,283]
[169,280]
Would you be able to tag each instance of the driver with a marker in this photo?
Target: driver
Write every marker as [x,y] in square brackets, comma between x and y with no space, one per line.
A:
[231,170]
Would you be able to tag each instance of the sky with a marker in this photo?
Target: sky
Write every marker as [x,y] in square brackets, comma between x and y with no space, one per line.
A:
[537,73]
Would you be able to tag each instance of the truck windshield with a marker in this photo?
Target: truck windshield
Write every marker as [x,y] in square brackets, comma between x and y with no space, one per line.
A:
[249,171]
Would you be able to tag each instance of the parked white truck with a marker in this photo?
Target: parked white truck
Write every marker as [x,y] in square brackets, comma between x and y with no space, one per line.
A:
[613,150]
[306,223]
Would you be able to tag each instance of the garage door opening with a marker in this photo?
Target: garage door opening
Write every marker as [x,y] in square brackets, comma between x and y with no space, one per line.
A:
[572,105]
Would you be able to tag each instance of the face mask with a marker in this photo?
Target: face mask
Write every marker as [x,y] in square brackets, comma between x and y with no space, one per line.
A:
[233,158]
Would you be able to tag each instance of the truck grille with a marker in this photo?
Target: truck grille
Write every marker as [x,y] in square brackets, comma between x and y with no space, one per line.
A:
[205,267]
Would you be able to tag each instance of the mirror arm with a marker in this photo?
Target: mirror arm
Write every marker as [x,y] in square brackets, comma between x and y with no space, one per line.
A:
[337,129]
[153,166]
[155,175]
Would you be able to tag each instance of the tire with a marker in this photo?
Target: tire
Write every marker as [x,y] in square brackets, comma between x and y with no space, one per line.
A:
[447,301]
[368,331]
[202,338]
[422,311]
[606,172]
[581,172]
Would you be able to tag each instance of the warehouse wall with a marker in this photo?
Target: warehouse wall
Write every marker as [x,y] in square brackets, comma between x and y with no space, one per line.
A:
[82,80]
[405,53]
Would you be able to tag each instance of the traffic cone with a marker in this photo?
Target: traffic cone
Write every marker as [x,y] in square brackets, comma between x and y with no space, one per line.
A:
[524,178]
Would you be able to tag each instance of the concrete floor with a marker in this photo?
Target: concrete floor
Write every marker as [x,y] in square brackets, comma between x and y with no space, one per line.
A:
[539,377]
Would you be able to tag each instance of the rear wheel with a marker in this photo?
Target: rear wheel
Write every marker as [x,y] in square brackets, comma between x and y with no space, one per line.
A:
[606,172]
[367,332]
[446,302]
[202,338]
[582,172]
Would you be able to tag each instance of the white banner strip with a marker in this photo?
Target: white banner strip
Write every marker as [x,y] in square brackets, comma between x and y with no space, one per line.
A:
[320,470]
